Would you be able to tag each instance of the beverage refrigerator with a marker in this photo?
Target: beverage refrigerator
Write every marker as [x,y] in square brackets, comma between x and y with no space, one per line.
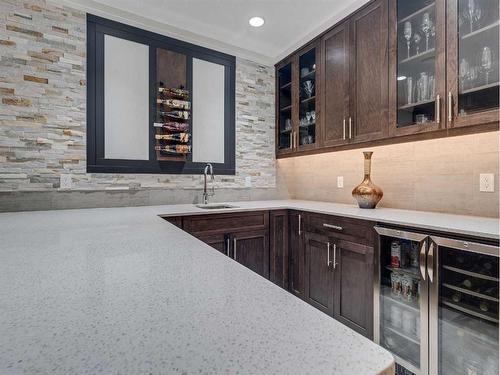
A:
[436,303]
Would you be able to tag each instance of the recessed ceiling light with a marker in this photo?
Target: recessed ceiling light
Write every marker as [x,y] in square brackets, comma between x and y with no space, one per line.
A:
[401,78]
[256,21]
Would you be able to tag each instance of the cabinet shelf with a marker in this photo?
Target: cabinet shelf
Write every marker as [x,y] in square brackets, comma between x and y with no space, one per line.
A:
[480,88]
[417,12]
[286,86]
[412,271]
[469,273]
[400,333]
[310,74]
[307,100]
[471,310]
[287,108]
[419,57]
[286,131]
[470,292]
[417,104]
[480,31]
[386,294]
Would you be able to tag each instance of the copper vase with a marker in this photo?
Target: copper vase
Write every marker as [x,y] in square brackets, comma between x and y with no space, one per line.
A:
[367,193]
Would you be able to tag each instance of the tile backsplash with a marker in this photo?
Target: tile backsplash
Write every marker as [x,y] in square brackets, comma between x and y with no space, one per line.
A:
[439,175]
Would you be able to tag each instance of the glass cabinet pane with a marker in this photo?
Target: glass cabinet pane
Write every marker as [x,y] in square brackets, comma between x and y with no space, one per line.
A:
[307,106]
[478,40]
[285,107]
[416,62]
[400,299]
[468,313]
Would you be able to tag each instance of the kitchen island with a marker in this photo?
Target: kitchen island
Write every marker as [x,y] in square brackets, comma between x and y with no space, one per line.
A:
[121,290]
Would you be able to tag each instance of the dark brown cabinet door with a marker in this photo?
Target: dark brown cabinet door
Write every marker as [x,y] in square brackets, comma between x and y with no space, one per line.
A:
[219,242]
[354,286]
[286,98]
[251,249]
[278,249]
[296,255]
[319,272]
[369,74]
[335,85]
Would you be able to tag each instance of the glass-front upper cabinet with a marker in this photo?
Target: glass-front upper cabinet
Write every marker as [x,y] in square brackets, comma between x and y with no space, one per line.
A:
[418,69]
[284,108]
[308,87]
[473,53]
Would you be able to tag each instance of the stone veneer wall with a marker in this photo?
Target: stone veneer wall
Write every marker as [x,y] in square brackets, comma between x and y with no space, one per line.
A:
[42,121]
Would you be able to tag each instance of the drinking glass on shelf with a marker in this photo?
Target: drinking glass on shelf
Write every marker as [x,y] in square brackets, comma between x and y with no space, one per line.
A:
[471,7]
[416,40]
[426,28]
[464,72]
[486,62]
[407,35]
[409,90]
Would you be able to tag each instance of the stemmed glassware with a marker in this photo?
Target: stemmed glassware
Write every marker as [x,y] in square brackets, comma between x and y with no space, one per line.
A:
[486,62]
[417,39]
[471,7]
[426,28]
[464,72]
[407,35]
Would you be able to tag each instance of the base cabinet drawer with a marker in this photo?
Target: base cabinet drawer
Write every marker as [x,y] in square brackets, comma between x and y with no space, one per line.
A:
[224,223]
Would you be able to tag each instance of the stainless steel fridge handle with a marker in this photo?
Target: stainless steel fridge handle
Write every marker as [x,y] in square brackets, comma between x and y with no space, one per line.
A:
[422,260]
[430,262]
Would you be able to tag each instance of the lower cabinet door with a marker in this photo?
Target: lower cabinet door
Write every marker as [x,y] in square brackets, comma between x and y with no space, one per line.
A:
[278,251]
[251,249]
[217,241]
[296,248]
[319,272]
[354,286]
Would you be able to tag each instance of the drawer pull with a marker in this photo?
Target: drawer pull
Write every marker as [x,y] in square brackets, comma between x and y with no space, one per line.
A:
[332,226]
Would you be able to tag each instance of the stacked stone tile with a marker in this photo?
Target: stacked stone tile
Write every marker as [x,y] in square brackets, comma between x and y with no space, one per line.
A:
[42,109]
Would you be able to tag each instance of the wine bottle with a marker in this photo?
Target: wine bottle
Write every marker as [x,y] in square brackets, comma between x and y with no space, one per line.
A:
[483,306]
[174,149]
[175,103]
[173,91]
[179,137]
[456,297]
[172,126]
[176,114]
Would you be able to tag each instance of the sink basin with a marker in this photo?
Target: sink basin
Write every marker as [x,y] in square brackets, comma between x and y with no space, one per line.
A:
[214,206]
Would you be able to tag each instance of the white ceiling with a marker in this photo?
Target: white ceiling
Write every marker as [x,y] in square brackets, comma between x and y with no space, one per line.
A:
[223,24]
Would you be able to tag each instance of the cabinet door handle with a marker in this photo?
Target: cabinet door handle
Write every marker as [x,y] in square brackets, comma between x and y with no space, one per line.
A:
[350,127]
[295,139]
[332,226]
[334,256]
[422,260]
[291,140]
[328,262]
[234,249]
[343,129]
[300,224]
[227,246]
[430,262]
[438,109]
[450,106]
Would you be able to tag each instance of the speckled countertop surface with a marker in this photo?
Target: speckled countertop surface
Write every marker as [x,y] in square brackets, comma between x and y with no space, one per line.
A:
[121,291]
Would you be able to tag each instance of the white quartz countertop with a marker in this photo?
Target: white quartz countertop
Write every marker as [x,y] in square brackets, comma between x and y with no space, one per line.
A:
[122,291]
[484,227]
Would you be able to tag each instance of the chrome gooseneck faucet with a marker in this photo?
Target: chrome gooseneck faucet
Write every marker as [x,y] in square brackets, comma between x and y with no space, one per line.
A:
[208,168]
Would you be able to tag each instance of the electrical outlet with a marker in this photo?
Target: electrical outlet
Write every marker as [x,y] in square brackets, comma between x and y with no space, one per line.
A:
[65,181]
[487,182]
[340,181]
[248,181]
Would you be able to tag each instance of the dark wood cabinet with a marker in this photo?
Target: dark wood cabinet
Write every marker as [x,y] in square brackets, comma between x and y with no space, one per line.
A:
[251,249]
[375,86]
[369,74]
[319,272]
[219,242]
[278,248]
[353,291]
[336,85]
[296,254]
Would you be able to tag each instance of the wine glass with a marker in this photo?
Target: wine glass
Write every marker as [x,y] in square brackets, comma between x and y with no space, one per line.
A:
[464,72]
[417,39]
[426,28]
[407,35]
[486,62]
[471,7]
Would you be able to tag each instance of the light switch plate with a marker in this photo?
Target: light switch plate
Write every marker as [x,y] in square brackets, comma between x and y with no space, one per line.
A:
[487,182]
[340,181]
[65,181]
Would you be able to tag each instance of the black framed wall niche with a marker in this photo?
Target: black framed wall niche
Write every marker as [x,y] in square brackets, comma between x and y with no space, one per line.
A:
[129,71]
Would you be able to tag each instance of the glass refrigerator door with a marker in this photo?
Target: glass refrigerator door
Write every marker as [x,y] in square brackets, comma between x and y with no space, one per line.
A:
[464,307]
[401,291]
